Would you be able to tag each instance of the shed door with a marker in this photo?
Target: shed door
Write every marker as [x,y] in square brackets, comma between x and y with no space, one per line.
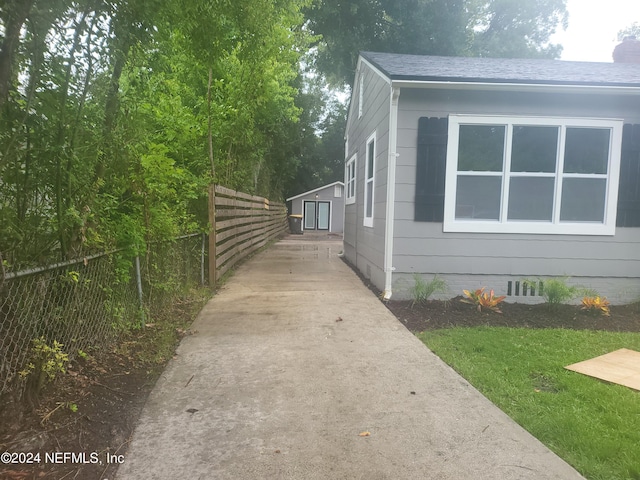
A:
[317,215]
[323,215]
[309,215]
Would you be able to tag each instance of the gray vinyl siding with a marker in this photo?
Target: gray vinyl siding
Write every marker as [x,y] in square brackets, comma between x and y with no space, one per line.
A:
[364,246]
[610,264]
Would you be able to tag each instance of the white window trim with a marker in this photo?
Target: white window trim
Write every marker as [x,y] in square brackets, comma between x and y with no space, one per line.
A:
[350,180]
[368,221]
[451,224]
[360,95]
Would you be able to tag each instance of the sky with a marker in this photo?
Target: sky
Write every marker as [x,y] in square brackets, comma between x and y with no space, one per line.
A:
[593,28]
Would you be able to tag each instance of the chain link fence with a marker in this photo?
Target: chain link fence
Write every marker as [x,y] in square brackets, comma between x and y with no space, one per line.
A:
[87,303]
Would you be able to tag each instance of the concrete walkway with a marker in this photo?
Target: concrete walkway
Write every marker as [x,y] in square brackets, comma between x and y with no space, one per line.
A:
[292,360]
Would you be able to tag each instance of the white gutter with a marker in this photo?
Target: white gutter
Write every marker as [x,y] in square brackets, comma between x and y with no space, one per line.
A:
[391,193]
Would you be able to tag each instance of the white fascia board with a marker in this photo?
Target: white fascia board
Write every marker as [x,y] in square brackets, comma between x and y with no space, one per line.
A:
[375,70]
[351,102]
[356,81]
[315,190]
[519,87]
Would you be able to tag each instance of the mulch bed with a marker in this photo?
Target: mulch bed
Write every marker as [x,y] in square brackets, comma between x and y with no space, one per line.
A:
[435,314]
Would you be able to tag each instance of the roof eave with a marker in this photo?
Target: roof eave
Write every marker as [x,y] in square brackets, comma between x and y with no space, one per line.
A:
[315,190]
[518,86]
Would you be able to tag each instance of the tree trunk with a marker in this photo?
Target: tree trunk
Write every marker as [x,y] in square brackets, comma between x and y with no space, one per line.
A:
[17,12]
[111,104]
[210,132]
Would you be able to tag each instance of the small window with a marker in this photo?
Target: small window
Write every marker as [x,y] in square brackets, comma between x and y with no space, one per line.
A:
[350,180]
[337,191]
[369,181]
[532,175]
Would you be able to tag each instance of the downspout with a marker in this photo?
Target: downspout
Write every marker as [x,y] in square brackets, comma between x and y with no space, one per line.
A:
[391,193]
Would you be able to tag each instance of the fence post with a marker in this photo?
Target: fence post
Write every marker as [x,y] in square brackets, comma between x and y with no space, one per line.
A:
[140,296]
[202,252]
[212,236]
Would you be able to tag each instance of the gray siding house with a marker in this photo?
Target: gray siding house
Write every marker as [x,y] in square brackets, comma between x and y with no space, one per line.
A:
[322,208]
[488,172]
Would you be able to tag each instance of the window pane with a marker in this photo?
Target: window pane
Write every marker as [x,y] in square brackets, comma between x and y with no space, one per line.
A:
[369,206]
[531,199]
[310,215]
[534,149]
[478,197]
[370,159]
[583,200]
[587,150]
[481,148]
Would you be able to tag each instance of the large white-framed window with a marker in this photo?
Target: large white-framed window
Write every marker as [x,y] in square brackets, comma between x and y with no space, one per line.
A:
[532,175]
[350,180]
[369,180]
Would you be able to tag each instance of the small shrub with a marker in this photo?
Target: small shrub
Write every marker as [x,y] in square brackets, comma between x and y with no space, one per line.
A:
[421,290]
[596,305]
[483,300]
[556,291]
[45,363]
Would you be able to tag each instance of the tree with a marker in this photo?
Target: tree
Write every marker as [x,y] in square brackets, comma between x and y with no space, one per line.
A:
[503,28]
[512,28]
[632,30]
[108,108]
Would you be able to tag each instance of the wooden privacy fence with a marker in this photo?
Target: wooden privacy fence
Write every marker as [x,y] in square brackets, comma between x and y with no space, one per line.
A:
[240,224]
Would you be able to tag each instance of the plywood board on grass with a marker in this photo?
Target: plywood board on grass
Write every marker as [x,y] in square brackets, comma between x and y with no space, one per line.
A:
[621,367]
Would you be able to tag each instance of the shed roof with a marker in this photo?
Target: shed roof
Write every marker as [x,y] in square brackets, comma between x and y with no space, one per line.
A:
[503,70]
[314,190]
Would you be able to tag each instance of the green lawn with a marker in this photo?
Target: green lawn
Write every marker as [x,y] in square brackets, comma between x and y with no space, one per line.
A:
[593,425]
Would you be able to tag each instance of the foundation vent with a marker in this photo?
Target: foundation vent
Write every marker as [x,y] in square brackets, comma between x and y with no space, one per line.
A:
[518,288]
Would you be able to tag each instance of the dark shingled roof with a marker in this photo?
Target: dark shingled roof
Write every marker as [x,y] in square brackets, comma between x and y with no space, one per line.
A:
[504,70]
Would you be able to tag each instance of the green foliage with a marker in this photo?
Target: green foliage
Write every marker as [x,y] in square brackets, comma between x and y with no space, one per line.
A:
[105,127]
[557,291]
[45,361]
[422,290]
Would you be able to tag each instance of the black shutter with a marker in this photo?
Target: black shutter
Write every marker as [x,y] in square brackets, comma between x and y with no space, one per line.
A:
[430,169]
[629,187]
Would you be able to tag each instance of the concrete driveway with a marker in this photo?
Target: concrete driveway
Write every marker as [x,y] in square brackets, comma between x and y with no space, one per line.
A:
[293,360]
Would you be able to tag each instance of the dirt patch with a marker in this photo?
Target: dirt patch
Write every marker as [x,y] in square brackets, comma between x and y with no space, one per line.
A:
[107,393]
[434,314]
[84,421]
